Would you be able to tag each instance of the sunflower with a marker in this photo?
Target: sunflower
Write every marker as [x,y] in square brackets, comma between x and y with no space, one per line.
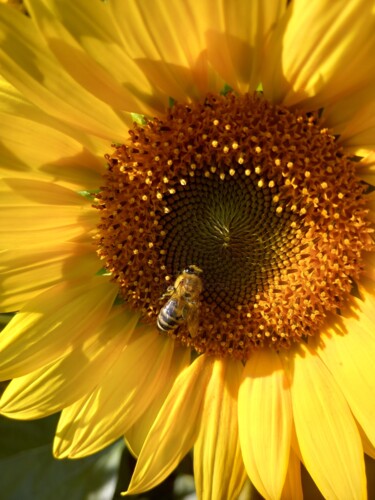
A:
[206,167]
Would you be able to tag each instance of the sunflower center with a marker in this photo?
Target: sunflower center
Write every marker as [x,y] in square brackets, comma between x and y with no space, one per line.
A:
[259,198]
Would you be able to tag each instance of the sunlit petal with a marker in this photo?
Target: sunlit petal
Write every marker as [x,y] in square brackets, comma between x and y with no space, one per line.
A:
[42,80]
[327,434]
[53,387]
[24,273]
[265,420]
[51,324]
[320,53]
[170,438]
[348,350]
[217,444]
[113,407]
[136,435]
[293,487]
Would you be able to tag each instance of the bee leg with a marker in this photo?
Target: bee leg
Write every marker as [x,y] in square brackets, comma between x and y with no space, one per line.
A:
[170,291]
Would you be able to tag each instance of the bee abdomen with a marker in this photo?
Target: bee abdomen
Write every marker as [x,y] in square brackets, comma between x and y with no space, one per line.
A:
[169,318]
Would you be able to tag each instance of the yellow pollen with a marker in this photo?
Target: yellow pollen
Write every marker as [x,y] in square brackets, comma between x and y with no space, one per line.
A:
[214,144]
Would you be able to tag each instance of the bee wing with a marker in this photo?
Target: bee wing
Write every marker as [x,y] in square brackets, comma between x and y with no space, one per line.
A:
[192,319]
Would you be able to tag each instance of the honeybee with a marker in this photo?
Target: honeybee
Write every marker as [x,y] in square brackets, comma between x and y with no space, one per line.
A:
[183,304]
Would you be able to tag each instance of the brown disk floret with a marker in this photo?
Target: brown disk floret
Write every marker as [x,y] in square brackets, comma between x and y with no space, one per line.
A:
[259,197]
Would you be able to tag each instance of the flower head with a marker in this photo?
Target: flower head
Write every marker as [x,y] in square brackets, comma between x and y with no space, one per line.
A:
[187,236]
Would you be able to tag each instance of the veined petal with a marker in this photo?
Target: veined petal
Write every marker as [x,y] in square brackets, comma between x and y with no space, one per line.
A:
[30,149]
[24,273]
[170,437]
[41,79]
[366,170]
[348,350]
[353,118]
[173,52]
[327,435]
[50,325]
[107,83]
[292,489]
[321,53]
[368,448]
[217,444]
[265,422]
[37,214]
[51,388]
[113,407]
[84,148]
[236,49]
[136,435]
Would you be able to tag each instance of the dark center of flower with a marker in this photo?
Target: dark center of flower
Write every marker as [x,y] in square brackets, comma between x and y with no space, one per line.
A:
[260,198]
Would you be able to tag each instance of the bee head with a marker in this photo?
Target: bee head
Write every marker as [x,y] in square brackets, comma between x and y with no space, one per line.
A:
[193,270]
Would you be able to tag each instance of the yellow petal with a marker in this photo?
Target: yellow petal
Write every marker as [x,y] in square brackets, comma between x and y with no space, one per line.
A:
[50,325]
[72,156]
[25,273]
[218,443]
[368,448]
[51,388]
[366,170]
[130,385]
[293,485]
[27,64]
[64,161]
[235,43]
[326,431]
[102,69]
[136,435]
[353,118]
[41,214]
[265,421]
[175,428]
[348,350]
[322,52]
[172,53]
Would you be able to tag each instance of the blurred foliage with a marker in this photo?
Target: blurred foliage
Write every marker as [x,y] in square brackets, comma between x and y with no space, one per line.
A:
[29,471]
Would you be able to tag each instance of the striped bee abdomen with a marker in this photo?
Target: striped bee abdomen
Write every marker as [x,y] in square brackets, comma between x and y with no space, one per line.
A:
[170,316]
